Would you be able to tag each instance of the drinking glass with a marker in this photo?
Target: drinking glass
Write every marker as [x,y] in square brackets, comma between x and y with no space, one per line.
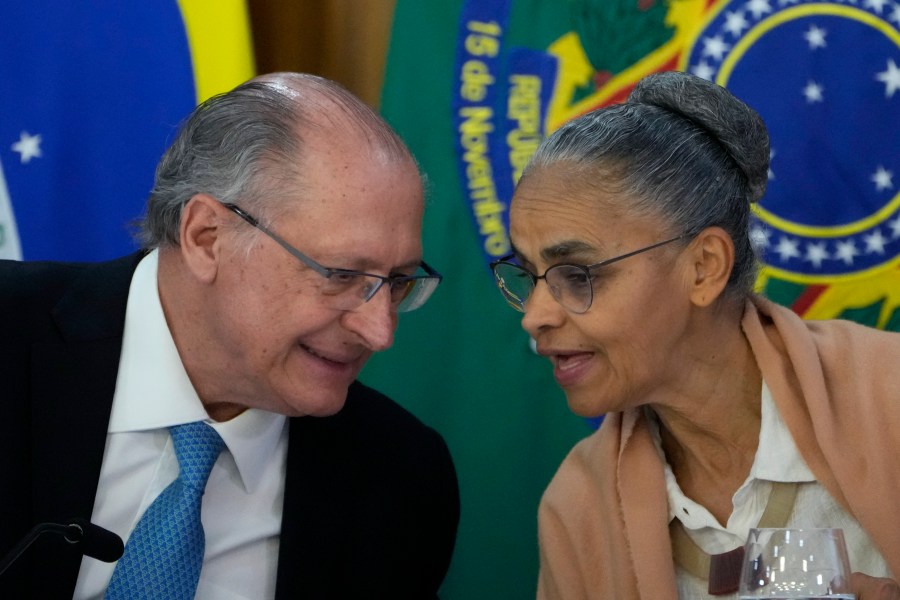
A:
[807,564]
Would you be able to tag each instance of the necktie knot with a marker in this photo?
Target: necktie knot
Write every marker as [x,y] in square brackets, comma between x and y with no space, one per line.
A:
[197,446]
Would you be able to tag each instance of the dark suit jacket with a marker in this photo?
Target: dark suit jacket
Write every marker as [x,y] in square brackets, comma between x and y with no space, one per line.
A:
[371,502]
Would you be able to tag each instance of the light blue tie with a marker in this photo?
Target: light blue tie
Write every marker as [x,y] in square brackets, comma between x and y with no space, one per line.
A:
[164,553]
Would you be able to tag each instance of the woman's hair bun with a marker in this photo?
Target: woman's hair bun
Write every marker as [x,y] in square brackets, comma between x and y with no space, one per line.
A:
[735,126]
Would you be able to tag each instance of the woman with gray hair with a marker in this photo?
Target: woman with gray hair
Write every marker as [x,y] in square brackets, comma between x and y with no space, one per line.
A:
[634,270]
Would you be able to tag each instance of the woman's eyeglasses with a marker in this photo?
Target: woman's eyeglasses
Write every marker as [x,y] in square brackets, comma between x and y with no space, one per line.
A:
[571,285]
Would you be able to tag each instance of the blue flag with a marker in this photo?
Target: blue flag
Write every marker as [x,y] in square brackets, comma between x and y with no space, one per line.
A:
[92,93]
[825,76]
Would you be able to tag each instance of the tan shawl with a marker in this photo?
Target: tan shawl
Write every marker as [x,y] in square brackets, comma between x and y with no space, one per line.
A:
[603,521]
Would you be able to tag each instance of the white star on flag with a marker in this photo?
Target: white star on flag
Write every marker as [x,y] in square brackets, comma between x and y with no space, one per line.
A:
[715,47]
[875,242]
[735,23]
[895,228]
[846,251]
[876,5]
[759,237]
[703,70]
[759,7]
[882,179]
[891,78]
[813,92]
[787,248]
[771,156]
[895,14]
[816,253]
[816,37]
[28,147]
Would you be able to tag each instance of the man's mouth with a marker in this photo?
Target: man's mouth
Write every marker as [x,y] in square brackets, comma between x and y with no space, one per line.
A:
[331,359]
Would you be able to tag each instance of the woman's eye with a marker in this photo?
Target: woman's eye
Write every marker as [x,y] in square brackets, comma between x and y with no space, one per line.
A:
[577,277]
[520,275]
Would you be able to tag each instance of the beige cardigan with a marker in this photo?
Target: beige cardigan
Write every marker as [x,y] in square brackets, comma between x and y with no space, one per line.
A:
[603,520]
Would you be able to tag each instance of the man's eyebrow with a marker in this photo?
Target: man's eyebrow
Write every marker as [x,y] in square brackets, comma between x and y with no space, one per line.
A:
[368,266]
[413,265]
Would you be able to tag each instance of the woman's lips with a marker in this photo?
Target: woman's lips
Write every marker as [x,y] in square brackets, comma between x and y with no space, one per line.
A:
[571,367]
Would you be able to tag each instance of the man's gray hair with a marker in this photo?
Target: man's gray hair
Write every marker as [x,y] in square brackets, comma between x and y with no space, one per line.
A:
[681,148]
[247,147]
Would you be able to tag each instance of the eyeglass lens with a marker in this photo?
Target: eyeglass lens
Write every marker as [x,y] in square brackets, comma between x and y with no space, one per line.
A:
[569,284]
[349,290]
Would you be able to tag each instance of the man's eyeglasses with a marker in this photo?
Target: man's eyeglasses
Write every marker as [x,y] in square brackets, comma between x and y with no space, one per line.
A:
[349,289]
[571,285]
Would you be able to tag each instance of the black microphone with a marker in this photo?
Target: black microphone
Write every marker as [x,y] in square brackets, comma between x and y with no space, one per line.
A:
[95,541]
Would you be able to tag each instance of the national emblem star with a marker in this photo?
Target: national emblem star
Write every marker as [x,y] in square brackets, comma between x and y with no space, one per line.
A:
[883,179]
[890,78]
[28,147]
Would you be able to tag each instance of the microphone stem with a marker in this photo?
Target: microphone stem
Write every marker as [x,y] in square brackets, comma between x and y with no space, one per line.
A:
[37,530]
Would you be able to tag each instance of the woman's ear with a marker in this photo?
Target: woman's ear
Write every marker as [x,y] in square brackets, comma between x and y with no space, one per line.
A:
[712,258]
[199,236]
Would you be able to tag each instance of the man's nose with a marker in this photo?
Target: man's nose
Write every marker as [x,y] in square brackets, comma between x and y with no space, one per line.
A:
[374,321]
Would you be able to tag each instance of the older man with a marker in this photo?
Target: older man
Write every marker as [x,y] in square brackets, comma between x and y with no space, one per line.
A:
[283,237]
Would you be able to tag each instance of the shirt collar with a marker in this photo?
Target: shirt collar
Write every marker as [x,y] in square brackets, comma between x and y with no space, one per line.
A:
[252,438]
[153,389]
[777,457]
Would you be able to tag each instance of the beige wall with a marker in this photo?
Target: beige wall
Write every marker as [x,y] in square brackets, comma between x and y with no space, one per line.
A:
[344,40]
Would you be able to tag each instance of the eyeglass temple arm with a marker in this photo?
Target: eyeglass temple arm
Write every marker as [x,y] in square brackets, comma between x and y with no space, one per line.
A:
[610,261]
[325,272]
[281,242]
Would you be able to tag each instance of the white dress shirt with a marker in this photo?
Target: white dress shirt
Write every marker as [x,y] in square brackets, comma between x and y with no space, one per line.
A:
[242,507]
[777,459]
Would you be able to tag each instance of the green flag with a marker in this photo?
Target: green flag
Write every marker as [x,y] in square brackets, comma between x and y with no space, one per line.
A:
[463,364]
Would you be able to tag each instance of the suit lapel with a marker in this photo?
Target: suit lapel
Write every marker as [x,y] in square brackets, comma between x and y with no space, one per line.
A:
[73,387]
[73,382]
[318,483]
[321,487]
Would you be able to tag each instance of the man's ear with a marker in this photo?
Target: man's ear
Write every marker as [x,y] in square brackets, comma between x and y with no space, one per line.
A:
[199,236]
[712,256]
